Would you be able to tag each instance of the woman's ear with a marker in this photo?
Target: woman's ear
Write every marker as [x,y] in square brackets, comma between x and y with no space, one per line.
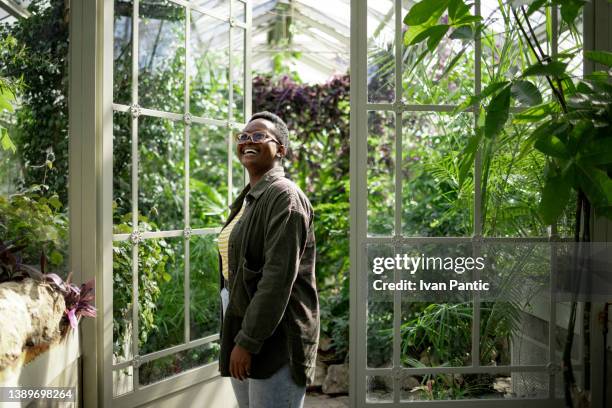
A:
[280,151]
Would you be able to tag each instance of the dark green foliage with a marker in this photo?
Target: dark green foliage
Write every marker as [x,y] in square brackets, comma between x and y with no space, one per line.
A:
[318,120]
[38,225]
[41,129]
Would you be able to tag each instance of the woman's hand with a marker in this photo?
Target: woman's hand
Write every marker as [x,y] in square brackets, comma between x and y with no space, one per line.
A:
[240,363]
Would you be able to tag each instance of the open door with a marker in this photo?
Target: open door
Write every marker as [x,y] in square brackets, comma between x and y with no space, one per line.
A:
[176,86]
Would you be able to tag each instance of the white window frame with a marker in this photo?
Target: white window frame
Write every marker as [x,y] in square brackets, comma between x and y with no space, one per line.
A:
[359,238]
[91,193]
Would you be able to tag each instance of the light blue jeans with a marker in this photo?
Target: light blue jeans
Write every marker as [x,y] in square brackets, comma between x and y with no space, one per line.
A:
[278,391]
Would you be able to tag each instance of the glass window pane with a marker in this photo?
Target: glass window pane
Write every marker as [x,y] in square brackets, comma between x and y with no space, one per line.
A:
[161,271]
[238,175]
[239,10]
[238,42]
[433,202]
[379,336]
[208,66]
[174,364]
[444,76]
[122,52]
[379,388]
[436,322]
[161,56]
[123,381]
[381,51]
[514,182]
[122,300]
[381,172]
[209,176]
[204,286]
[122,170]
[161,170]
[505,52]
[219,8]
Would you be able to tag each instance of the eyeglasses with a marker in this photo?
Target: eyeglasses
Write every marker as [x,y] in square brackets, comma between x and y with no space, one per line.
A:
[255,137]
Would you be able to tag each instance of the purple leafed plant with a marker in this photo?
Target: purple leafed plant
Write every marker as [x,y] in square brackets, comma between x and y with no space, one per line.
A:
[79,300]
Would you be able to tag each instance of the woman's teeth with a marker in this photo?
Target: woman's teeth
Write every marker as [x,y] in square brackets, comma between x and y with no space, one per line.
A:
[250,151]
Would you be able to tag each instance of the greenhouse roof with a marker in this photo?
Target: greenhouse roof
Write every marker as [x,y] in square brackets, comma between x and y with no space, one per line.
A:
[319,35]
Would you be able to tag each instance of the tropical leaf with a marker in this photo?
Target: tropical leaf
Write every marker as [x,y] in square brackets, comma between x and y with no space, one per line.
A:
[527,93]
[602,57]
[423,11]
[553,68]
[497,113]
[555,195]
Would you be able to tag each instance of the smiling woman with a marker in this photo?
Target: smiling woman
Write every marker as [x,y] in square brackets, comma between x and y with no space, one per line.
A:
[270,326]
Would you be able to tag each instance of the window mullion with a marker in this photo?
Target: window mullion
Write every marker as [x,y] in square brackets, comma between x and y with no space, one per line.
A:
[397,295]
[135,271]
[187,215]
[478,221]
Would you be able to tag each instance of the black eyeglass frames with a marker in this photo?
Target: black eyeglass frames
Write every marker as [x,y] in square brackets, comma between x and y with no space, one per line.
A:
[255,137]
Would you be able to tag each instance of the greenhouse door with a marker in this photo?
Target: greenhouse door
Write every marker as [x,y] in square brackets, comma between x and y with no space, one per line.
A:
[176,86]
[405,140]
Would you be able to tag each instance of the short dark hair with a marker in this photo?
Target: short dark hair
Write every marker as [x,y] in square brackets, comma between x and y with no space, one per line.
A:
[281,127]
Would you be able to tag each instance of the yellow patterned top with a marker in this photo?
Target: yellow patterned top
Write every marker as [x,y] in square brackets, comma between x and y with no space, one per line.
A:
[224,242]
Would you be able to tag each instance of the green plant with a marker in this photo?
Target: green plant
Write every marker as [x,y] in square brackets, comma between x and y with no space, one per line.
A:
[36,223]
[7,101]
[153,256]
[40,127]
[570,126]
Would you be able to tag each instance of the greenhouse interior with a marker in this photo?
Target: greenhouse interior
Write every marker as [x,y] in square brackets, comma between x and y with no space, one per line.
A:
[475,134]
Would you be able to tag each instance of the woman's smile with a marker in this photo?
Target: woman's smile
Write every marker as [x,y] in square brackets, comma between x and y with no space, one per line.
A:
[249,151]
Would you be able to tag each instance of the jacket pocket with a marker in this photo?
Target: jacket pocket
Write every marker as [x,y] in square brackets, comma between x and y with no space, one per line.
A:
[250,278]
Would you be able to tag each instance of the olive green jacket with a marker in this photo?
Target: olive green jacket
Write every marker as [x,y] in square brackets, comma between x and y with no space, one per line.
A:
[273,309]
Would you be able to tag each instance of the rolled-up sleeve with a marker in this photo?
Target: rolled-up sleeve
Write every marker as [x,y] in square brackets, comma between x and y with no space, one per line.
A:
[285,240]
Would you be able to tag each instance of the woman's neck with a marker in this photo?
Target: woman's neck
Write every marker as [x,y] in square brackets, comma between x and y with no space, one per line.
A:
[255,176]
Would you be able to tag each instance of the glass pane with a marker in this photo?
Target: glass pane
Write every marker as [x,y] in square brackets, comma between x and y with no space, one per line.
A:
[219,8]
[208,66]
[239,10]
[444,76]
[570,43]
[161,301]
[381,51]
[238,41]
[122,52]
[379,388]
[161,172]
[514,182]
[379,336]
[122,171]
[434,204]
[123,381]
[174,364]
[514,326]
[527,385]
[381,172]
[204,286]
[238,175]
[161,58]
[476,386]
[122,300]
[380,333]
[505,53]
[436,328]
[208,179]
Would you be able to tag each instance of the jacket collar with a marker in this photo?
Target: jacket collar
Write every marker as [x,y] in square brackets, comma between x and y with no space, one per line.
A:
[262,185]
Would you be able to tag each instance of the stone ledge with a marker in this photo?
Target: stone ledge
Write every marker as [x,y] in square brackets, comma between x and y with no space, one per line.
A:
[30,316]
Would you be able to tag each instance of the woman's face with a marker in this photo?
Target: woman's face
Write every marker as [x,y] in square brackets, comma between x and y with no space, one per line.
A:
[259,156]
